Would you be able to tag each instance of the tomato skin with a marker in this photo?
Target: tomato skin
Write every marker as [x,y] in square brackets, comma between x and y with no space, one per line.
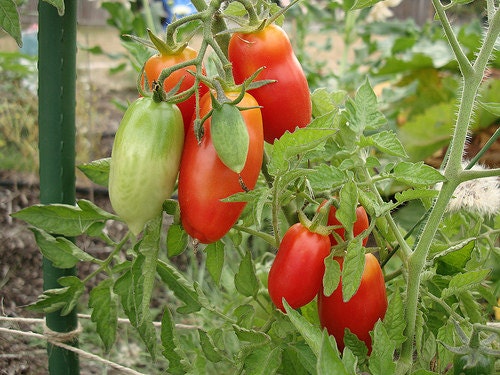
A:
[362,223]
[155,65]
[362,311]
[287,102]
[145,160]
[204,180]
[297,271]
[484,366]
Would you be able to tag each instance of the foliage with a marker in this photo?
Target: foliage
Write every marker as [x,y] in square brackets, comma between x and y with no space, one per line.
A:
[439,266]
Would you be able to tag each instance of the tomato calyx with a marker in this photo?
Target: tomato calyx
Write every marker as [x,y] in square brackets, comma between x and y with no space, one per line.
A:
[317,224]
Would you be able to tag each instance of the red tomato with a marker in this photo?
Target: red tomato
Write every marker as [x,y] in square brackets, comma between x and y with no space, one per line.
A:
[360,225]
[286,104]
[155,65]
[204,180]
[362,311]
[297,271]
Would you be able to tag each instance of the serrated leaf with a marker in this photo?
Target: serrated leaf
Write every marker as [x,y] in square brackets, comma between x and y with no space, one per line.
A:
[177,240]
[362,111]
[170,348]
[412,194]
[324,102]
[329,362]
[208,347]
[463,282]
[251,335]
[62,252]
[215,260]
[416,174]
[326,177]
[97,171]
[244,315]
[331,278]
[355,345]
[394,321]
[180,287]
[128,287]
[346,213]
[104,305]
[311,334]
[454,262]
[64,299]
[352,269]
[63,219]
[291,144]
[9,20]
[381,359]
[245,279]
[385,141]
[263,361]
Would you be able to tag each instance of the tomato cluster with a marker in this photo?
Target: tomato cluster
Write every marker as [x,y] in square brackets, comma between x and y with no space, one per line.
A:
[219,151]
[297,272]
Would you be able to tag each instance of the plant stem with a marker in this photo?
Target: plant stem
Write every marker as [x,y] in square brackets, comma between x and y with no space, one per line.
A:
[483,150]
[472,77]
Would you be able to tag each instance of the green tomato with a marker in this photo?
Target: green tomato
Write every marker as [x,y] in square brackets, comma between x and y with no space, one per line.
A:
[145,161]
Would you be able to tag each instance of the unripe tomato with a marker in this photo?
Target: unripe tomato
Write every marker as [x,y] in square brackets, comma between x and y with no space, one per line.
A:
[145,160]
[204,180]
[360,225]
[155,65]
[286,104]
[297,271]
[362,311]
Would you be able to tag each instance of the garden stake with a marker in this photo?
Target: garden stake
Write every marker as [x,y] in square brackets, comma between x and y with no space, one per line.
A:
[56,93]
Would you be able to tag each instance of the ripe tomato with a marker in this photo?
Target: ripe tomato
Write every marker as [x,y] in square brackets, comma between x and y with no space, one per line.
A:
[145,160]
[155,65]
[362,311]
[360,225]
[286,104]
[204,180]
[297,271]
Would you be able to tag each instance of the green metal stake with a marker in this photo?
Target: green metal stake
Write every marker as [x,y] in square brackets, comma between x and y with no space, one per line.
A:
[56,119]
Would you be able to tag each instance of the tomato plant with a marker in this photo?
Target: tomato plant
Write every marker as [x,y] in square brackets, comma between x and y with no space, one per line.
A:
[204,180]
[145,160]
[473,364]
[286,104]
[163,60]
[297,271]
[362,311]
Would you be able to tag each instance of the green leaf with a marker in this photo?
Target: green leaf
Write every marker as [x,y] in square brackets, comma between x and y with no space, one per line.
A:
[352,270]
[385,141]
[454,262]
[244,315]
[215,260]
[97,171]
[59,4]
[331,278]
[381,359]
[355,345]
[230,136]
[412,194]
[362,111]
[245,279]
[64,299]
[346,213]
[311,333]
[129,287]
[292,144]
[208,347]
[9,20]
[180,287]
[104,305]
[360,4]
[463,282]
[62,252]
[324,102]
[493,108]
[264,360]
[416,174]
[394,321]
[149,247]
[329,362]
[251,335]
[170,347]
[326,177]
[63,219]
[177,240]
